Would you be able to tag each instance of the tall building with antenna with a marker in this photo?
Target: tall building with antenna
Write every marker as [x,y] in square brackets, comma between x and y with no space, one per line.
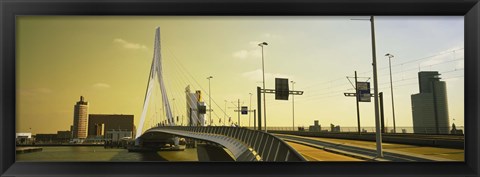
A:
[430,106]
[80,119]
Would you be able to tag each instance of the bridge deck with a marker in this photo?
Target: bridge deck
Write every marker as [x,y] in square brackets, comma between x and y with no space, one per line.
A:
[432,153]
[315,154]
[244,144]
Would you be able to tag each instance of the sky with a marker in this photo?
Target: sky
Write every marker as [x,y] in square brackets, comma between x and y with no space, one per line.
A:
[107,60]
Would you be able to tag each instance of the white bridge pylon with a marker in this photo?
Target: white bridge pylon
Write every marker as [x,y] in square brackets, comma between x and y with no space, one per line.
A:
[155,72]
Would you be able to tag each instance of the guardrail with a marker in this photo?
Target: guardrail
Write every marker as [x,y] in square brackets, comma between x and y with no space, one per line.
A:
[264,146]
[459,130]
[445,141]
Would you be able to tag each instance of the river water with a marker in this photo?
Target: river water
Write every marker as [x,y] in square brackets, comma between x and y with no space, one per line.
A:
[99,153]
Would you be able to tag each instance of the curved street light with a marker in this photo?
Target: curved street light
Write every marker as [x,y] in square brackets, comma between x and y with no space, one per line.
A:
[209,102]
[264,100]
[390,56]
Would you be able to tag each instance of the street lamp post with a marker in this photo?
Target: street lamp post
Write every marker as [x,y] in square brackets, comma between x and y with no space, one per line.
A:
[293,106]
[209,102]
[173,106]
[264,100]
[225,114]
[250,107]
[390,56]
[375,90]
[378,134]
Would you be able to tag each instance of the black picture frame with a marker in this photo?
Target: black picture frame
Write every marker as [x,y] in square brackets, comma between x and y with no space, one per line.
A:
[9,9]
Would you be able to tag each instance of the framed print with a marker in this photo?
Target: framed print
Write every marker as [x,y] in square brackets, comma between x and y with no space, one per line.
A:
[254,88]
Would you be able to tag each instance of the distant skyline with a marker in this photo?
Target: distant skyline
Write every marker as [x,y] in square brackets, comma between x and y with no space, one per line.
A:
[107,60]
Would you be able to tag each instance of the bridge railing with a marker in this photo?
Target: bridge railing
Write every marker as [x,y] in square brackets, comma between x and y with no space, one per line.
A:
[458,130]
[264,146]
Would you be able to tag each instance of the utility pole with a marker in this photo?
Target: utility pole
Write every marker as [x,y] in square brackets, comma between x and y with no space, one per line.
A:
[259,107]
[357,96]
[238,108]
[375,92]
[249,107]
[281,93]
[209,101]
[357,99]
[390,56]
[293,106]
[382,115]
[378,134]
[255,118]
[173,106]
[264,100]
[225,114]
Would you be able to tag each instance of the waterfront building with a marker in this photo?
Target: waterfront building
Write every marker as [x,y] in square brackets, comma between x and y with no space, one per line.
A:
[23,135]
[118,135]
[64,136]
[334,128]
[80,119]
[23,138]
[430,106]
[99,124]
[46,138]
[315,128]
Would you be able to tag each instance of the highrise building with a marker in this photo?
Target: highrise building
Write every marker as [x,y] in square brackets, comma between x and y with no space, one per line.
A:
[80,119]
[196,108]
[430,106]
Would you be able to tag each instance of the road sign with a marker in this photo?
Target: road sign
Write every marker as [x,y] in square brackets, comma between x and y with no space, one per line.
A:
[244,110]
[363,91]
[281,89]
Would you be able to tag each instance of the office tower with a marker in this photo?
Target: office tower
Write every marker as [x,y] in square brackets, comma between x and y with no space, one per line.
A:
[80,119]
[430,106]
[196,108]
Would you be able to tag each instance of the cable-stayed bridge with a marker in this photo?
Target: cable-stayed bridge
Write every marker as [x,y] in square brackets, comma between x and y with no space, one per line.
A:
[244,144]
[253,145]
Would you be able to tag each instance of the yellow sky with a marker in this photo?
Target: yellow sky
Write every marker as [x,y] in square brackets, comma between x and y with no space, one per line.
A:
[107,60]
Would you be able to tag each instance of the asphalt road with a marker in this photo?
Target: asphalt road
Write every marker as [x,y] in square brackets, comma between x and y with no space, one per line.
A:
[356,151]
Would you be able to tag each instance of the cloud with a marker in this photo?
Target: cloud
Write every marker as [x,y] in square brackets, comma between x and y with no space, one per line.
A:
[253,51]
[36,91]
[129,45]
[43,90]
[271,36]
[256,75]
[101,86]
[254,44]
[242,54]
